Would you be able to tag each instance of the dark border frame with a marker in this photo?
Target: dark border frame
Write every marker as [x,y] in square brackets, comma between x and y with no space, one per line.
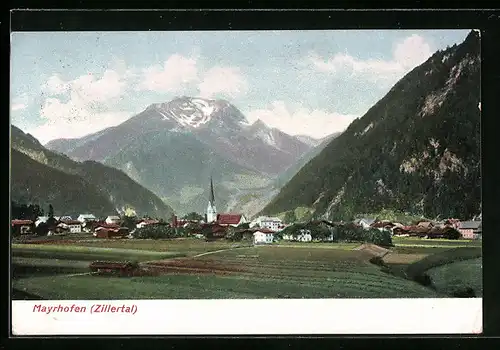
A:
[486,20]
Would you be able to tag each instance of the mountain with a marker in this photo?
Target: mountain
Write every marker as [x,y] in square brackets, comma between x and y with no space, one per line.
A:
[34,182]
[416,150]
[289,173]
[309,140]
[45,177]
[173,148]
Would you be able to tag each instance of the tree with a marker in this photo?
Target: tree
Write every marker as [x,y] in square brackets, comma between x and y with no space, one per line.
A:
[193,216]
[244,226]
[42,229]
[192,228]
[129,212]
[51,221]
[129,222]
[290,217]
[155,232]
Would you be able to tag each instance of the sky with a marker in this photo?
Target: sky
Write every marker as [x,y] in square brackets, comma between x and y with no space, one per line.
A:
[70,84]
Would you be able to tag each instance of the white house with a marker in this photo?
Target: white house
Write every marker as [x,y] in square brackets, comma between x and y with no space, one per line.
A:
[41,219]
[83,218]
[74,226]
[146,223]
[303,236]
[365,222]
[263,236]
[470,229]
[112,219]
[271,223]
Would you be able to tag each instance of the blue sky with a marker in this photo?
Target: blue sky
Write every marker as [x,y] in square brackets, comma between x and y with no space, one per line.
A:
[69,84]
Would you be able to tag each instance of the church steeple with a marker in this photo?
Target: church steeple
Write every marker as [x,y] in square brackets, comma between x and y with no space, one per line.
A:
[212,196]
[211,210]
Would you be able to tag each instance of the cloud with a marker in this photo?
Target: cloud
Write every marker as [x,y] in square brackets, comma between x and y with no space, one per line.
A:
[91,89]
[412,52]
[55,85]
[74,108]
[406,55]
[73,129]
[18,107]
[227,81]
[301,121]
[176,72]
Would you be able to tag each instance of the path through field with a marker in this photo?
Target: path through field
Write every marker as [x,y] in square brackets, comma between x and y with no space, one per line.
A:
[79,274]
[194,256]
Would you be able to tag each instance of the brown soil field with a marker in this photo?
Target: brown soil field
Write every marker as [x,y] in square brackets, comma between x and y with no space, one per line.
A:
[398,258]
[194,266]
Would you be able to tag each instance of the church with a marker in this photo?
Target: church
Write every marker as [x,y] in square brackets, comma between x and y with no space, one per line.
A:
[212,217]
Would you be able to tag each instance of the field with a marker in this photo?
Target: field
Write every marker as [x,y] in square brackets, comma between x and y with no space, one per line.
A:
[190,268]
[459,276]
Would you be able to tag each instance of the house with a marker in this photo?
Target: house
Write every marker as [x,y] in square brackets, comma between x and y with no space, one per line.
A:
[84,218]
[74,226]
[22,227]
[110,231]
[113,219]
[365,222]
[41,219]
[146,222]
[230,219]
[176,223]
[303,235]
[58,230]
[263,236]
[454,223]
[384,224]
[271,223]
[417,231]
[65,218]
[470,229]
[425,224]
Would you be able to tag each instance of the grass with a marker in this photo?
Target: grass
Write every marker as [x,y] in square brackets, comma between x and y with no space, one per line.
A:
[437,243]
[187,247]
[85,253]
[29,267]
[268,272]
[458,276]
[443,258]
[332,245]
[281,270]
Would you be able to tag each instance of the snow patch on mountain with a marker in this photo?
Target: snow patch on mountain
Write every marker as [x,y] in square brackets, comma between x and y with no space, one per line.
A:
[267,137]
[203,105]
[308,140]
[188,112]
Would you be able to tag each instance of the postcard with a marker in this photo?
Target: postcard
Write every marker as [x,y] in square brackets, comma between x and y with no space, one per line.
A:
[224,182]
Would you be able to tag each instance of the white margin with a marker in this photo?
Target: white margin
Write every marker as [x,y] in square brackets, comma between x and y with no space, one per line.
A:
[252,317]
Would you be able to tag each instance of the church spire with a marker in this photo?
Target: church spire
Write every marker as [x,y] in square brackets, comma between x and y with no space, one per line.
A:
[212,197]
[211,210]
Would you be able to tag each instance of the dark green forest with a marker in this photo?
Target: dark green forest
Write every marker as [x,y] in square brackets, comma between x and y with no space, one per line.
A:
[430,115]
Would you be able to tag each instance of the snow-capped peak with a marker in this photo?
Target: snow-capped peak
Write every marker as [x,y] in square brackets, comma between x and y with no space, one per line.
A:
[204,106]
[187,111]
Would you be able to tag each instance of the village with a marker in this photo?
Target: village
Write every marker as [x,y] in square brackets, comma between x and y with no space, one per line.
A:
[262,230]
[390,245]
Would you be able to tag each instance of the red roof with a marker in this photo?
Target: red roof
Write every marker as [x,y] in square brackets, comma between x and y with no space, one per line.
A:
[110,229]
[21,222]
[149,222]
[265,230]
[228,219]
[71,222]
[104,225]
